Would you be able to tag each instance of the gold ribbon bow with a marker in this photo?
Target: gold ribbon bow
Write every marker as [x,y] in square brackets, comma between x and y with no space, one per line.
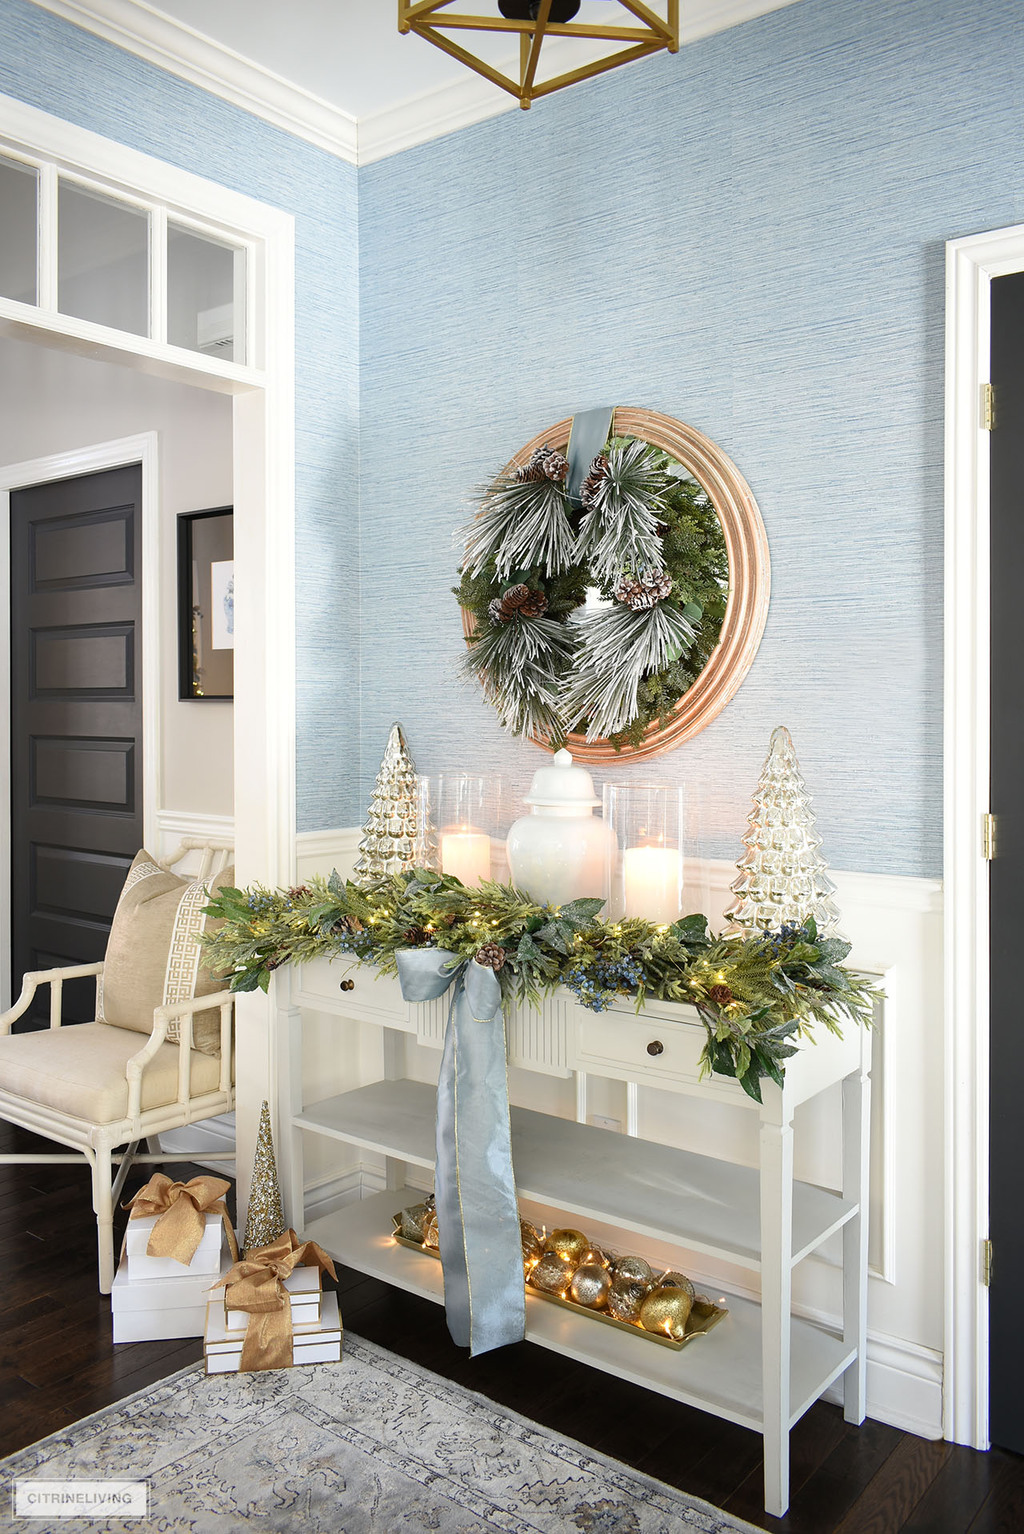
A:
[256,1285]
[181,1209]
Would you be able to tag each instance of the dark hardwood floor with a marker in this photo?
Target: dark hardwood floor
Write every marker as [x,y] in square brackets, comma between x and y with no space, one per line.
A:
[58,1364]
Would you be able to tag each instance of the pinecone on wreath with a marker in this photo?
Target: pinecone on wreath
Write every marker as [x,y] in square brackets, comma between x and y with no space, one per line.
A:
[545,463]
[520,601]
[644,590]
[593,482]
[491,956]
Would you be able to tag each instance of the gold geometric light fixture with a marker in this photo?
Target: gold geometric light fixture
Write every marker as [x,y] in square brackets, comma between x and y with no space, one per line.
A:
[631,36]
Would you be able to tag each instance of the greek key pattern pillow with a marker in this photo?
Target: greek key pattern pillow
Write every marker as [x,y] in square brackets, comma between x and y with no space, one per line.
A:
[154,957]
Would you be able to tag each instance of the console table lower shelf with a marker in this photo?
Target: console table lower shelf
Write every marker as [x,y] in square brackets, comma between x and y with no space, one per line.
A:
[720,1373]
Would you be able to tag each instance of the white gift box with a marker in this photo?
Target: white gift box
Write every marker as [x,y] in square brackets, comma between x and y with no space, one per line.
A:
[303,1286]
[147,1309]
[206,1259]
[313,1342]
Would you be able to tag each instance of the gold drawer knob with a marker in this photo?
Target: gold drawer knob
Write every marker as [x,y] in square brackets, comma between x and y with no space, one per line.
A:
[346,985]
[655,1047]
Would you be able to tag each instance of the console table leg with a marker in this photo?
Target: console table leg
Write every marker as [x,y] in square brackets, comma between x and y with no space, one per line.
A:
[776,1290]
[289,1077]
[393,1045]
[581,1097]
[856,1171]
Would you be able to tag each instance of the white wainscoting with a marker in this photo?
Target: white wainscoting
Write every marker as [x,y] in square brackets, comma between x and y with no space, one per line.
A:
[895,925]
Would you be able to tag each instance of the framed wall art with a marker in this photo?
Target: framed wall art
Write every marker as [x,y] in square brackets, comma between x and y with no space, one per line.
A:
[206,604]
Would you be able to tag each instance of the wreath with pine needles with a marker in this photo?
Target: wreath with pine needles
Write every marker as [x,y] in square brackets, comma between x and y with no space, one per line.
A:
[592,615]
[757,994]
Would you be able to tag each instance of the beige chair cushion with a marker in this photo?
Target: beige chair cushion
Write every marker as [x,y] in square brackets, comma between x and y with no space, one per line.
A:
[79,1070]
[153,954]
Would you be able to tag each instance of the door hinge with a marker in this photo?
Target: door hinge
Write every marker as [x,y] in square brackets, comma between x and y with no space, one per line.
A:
[988,837]
[986,1263]
[988,406]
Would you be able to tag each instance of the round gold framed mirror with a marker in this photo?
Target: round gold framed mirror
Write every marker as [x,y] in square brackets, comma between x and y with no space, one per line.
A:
[749,580]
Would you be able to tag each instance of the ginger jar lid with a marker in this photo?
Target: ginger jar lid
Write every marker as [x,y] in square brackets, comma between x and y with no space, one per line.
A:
[562,785]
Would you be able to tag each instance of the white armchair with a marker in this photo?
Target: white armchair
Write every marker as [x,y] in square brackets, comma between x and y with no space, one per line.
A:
[95,1087]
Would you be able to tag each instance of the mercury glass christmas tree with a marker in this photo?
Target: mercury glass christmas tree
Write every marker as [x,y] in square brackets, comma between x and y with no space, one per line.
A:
[265,1220]
[396,835]
[783,876]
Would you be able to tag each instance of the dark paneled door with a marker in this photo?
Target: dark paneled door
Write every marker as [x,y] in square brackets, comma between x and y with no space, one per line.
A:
[1006,1158]
[76,725]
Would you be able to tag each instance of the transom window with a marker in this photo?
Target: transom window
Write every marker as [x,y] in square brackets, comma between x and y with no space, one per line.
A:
[80,249]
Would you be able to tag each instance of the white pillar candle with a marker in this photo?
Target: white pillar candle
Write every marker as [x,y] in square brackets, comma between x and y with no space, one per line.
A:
[652,877]
[467,855]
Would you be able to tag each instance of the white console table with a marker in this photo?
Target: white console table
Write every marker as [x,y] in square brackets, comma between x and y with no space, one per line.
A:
[761,1367]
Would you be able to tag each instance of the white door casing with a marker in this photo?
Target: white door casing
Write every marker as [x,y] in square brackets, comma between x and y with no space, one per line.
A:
[971,264]
[264,500]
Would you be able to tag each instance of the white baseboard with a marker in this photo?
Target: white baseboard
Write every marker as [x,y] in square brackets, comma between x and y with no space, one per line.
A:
[330,1194]
[904,1386]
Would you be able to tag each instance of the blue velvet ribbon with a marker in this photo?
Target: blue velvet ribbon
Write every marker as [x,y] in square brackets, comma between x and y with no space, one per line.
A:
[475,1190]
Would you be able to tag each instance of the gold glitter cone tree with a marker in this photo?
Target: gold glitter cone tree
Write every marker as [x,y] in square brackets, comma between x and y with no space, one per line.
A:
[265,1220]
[783,877]
[394,836]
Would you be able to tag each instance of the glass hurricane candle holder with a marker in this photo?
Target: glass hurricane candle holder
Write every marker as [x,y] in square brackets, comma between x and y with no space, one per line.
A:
[426,832]
[468,813]
[646,878]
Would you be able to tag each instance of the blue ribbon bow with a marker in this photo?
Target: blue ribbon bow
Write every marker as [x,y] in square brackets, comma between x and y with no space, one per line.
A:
[475,1190]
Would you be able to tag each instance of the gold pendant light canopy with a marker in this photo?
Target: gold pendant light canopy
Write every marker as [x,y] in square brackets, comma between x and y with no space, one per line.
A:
[629,36]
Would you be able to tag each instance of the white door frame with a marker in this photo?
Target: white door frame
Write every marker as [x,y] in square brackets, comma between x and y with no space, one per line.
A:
[141,449]
[264,495]
[971,264]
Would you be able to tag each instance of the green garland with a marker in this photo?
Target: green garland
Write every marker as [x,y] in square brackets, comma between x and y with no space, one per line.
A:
[530,559]
[754,994]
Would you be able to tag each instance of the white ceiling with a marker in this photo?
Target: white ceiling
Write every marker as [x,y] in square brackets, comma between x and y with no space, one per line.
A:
[347,52]
[337,71]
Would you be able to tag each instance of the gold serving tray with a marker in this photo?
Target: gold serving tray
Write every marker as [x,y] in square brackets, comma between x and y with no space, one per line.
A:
[703,1316]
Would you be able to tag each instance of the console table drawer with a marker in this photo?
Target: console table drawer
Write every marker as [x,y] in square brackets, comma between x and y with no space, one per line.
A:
[648,1048]
[352,990]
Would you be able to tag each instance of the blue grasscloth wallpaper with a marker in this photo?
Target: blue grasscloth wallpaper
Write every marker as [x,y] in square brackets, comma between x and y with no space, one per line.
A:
[73,75]
[748,236]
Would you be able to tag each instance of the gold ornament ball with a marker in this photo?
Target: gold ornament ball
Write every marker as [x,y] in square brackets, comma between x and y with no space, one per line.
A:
[531,1242]
[413,1220]
[430,1238]
[570,1244]
[666,1310]
[635,1269]
[590,1286]
[594,1255]
[625,1298]
[677,1281]
[552,1274]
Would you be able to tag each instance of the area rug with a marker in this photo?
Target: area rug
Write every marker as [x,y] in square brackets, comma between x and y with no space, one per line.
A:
[373,1445]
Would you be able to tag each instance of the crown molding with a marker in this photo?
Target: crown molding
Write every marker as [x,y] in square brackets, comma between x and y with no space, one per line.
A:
[433,115]
[159,39]
[171,45]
